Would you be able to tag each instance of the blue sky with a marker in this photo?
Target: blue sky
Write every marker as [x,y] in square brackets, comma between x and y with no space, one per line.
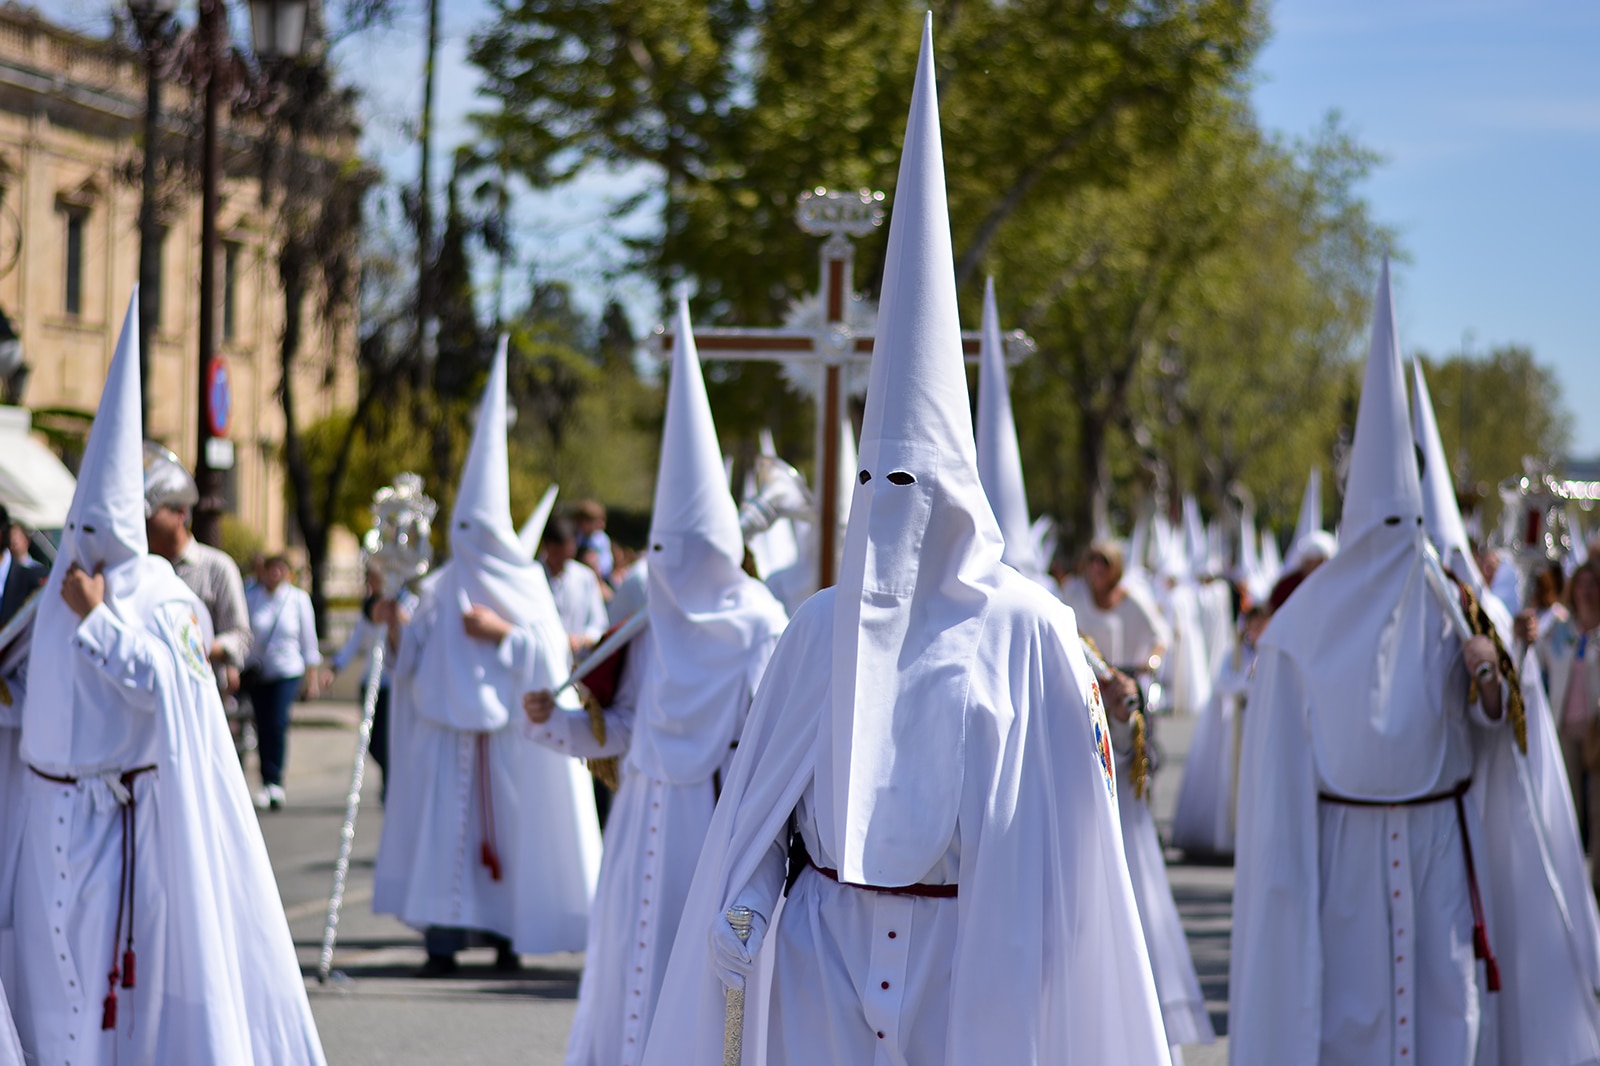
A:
[1487,113]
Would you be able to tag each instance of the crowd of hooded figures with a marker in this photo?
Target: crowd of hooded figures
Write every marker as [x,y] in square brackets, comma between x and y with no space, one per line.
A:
[903,819]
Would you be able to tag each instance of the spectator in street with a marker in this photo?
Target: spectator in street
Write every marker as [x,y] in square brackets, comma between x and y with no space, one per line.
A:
[20,576]
[576,588]
[358,648]
[278,669]
[18,541]
[594,547]
[169,498]
[1569,655]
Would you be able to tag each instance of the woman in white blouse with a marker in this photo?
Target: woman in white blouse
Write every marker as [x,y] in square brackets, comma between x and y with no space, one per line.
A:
[282,656]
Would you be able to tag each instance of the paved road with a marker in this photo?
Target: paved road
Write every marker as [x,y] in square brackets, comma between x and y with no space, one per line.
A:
[375,1012]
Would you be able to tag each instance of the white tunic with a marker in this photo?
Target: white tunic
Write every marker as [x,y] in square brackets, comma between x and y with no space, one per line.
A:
[430,870]
[1038,960]
[1353,926]
[1183,1004]
[216,975]
[1204,819]
[653,839]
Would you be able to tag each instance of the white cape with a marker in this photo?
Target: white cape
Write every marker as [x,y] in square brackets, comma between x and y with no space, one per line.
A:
[218,980]
[1546,1012]
[429,870]
[1049,962]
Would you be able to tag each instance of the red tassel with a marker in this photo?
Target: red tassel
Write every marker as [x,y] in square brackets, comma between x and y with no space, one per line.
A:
[491,860]
[108,1014]
[127,968]
[1480,950]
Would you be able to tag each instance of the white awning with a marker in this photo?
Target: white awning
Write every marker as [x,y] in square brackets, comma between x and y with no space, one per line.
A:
[34,485]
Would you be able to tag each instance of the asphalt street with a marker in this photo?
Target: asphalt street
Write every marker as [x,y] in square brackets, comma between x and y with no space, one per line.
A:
[374,1011]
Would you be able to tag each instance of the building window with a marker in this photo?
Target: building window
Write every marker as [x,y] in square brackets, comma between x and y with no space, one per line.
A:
[231,254]
[77,225]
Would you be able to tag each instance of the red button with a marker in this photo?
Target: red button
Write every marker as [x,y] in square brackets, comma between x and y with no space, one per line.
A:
[891,934]
[886,984]
[880,1034]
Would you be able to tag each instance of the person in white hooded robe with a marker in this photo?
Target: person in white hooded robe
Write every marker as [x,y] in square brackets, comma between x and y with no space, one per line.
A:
[486,835]
[933,730]
[149,927]
[685,689]
[1395,899]
[13,691]
[1183,1005]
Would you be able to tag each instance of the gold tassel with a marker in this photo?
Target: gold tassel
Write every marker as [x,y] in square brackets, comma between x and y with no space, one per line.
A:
[1478,620]
[1140,771]
[605,771]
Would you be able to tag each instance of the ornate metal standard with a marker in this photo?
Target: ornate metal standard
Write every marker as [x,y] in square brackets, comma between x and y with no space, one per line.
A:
[398,546]
[739,919]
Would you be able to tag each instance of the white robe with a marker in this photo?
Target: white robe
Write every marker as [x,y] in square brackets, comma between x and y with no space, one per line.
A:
[1039,958]
[1183,1004]
[11,771]
[217,978]
[1204,819]
[653,838]
[1352,938]
[1186,670]
[429,869]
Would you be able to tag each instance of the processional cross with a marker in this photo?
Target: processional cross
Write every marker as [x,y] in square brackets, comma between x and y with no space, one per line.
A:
[840,217]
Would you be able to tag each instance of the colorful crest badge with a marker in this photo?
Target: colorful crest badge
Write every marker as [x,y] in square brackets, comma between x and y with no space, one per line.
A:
[1102,737]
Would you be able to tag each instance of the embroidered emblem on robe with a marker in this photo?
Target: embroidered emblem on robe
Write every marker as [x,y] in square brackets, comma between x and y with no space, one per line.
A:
[193,650]
[1102,737]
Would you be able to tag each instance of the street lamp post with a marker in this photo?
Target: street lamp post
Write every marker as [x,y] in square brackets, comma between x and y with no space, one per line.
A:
[152,19]
[277,31]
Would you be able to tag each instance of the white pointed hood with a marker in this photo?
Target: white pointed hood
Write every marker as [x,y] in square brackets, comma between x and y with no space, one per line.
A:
[1271,558]
[1441,514]
[1196,547]
[462,682]
[1364,630]
[532,530]
[999,457]
[707,616]
[921,555]
[1308,530]
[104,531]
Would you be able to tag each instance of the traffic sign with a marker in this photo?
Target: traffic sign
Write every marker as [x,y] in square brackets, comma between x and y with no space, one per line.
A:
[219,397]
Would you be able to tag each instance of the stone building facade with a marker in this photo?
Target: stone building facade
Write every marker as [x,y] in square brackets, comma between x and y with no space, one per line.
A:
[71,126]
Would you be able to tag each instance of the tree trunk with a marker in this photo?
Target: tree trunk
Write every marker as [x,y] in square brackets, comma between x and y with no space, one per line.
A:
[313,530]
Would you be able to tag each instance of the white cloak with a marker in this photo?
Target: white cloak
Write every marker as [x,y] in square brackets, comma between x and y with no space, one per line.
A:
[11,771]
[1330,899]
[1203,822]
[653,838]
[217,978]
[1043,960]
[1183,1004]
[429,870]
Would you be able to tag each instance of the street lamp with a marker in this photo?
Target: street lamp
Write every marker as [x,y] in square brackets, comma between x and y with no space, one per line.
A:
[151,18]
[277,29]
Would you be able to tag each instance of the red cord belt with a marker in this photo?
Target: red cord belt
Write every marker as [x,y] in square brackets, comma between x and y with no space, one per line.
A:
[488,854]
[121,969]
[920,891]
[1480,930]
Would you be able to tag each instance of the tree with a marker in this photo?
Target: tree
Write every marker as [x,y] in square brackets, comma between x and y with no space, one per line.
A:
[1194,322]
[741,105]
[1493,410]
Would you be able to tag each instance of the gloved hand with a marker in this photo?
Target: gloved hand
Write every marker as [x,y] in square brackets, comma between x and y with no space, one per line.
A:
[735,963]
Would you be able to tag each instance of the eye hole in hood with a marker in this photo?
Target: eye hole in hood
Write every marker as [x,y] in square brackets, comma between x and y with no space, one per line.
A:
[863,477]
[901,477]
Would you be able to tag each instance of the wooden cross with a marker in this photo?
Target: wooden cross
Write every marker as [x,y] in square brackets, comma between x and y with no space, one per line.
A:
[840,217]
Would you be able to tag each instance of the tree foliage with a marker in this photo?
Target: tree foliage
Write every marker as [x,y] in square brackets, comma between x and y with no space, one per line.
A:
[1493,410]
